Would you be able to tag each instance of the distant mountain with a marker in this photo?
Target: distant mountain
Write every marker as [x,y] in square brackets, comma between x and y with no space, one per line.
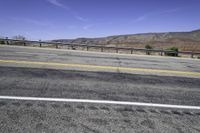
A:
[188,41]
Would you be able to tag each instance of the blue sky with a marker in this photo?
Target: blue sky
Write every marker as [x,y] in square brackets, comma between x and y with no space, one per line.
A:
[53,19]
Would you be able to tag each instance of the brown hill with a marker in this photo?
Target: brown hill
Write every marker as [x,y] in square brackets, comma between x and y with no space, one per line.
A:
[187,41]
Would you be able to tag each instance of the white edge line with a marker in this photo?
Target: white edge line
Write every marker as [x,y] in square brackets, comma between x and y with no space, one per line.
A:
[99,102]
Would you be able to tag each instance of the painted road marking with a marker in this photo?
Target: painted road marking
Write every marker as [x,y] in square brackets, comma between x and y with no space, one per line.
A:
[101,67]
[99,102]
[95,52]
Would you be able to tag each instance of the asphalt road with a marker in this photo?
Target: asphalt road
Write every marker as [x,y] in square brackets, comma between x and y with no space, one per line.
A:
[47,81]
[97,58]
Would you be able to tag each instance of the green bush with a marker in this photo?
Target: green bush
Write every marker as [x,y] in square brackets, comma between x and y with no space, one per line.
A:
[148,46]
[2,42]
[175,51]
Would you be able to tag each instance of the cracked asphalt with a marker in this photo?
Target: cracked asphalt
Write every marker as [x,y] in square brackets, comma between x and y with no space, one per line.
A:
[60,82]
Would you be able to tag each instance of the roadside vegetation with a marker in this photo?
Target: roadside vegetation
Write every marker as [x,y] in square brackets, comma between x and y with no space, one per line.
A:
[174,53]
[148,47]
[2,42]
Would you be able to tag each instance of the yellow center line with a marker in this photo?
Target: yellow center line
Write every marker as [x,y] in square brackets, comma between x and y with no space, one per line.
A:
[101,67]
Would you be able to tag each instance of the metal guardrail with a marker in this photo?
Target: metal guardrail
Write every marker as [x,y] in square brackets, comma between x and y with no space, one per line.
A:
[72,45]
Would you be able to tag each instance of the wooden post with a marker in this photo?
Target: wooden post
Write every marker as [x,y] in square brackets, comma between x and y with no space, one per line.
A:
[87,48]
[7,41]
[161,53]
[177,54]
[40,43]
[101,49]
[147,53]
[116,50]
[192,55]
[24,42]
[56,45]
[131,51]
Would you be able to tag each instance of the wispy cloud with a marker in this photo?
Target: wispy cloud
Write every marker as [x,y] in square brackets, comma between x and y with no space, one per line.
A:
[96,25]
[139,19]
[170,11]
[57,3]
[153,14]
[81,18]
[73,13]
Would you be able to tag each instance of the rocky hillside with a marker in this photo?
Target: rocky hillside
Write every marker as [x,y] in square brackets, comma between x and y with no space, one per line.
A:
[188,41]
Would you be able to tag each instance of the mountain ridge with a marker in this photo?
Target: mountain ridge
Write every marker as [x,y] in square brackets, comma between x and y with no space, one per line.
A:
[188,41]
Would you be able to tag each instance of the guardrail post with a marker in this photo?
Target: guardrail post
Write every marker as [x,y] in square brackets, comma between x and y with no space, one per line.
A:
[147,52]
[87,48]
[7,41]
[40,43]
[101,49]
[56,45]
[116,50]
[192,54]
[161,53]
[131,51]
[24,42]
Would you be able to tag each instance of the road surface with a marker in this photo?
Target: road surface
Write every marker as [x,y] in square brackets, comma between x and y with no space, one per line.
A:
[52,74]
